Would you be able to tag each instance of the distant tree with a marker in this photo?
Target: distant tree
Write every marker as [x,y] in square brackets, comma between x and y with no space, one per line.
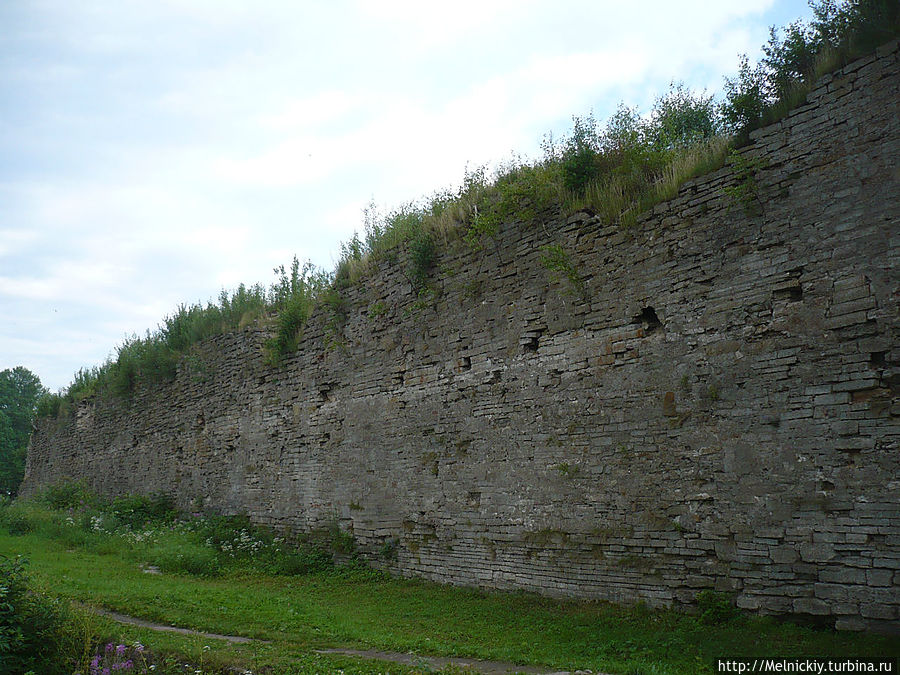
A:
[20,390]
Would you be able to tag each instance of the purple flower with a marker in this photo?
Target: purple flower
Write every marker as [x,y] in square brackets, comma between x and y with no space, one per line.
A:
[96,661]
[109,647]
[120,650]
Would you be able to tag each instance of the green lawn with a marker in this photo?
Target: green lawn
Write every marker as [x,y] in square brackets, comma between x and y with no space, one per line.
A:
[296,615]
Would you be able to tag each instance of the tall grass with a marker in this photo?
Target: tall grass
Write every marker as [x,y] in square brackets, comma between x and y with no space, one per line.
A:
[151,531]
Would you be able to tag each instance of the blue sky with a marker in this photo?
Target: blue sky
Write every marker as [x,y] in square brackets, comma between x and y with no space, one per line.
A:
[153,153]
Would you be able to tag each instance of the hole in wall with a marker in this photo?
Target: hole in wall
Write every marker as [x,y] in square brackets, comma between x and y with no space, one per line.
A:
[878,359]
[790,293]
[529,340]
[648,319]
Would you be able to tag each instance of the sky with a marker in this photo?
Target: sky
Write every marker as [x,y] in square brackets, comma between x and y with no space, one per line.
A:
[153,153]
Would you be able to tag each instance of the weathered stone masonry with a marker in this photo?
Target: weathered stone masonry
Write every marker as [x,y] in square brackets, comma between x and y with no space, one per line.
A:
[716,407]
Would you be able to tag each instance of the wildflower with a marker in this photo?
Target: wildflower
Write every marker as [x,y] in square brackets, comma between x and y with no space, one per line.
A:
[109,647]
[120,650]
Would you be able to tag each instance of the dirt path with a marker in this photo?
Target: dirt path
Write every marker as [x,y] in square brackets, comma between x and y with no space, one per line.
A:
[485,667]
[478,665]
[134,621]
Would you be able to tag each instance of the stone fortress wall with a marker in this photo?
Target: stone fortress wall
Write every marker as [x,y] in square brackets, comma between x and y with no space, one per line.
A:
[711,404]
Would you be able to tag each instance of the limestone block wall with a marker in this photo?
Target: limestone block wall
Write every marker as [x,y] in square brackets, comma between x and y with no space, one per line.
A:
[713,403]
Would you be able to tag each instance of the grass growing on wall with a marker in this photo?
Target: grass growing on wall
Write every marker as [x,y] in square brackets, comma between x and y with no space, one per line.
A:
[331,607]
[617,170]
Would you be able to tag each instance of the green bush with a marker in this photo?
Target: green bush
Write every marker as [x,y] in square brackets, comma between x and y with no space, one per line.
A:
[48,405]
[185,557]
[69,494]
[141,510]
[745,98]
[22,517]
[18,524]
[36,632]
[581,160]
[293,563]
[521,192]
[149,359]
[716,608]
[680,120]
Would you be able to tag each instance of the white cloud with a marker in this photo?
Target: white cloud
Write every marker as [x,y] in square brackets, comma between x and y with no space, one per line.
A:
[13,242]
[436,23]
[301,114]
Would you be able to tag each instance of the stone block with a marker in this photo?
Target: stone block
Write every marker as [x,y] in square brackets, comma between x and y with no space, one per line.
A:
[877,577]
[850,623]
[811,606]
[843,575]
[878,611]
[821,552]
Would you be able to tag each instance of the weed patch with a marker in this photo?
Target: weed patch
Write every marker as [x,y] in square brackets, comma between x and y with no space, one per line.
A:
[556,259]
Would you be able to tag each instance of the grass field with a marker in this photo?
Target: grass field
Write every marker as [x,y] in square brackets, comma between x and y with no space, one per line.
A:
[291,616]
